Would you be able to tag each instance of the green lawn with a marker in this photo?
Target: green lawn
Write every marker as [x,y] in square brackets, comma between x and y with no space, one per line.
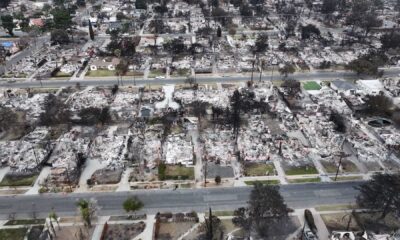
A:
[100,73]
[18,75]
[62,74]
[269,182]
[311,86]
[346,178]
[24,222]
[336,207]
[13,234]
[17,182]
[181,72]
[156,73]
[302,170]
[175,172]
[304,180]
[258,169]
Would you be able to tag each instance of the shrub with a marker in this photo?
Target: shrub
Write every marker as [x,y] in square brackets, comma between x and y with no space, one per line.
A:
[161,171]
[310,220]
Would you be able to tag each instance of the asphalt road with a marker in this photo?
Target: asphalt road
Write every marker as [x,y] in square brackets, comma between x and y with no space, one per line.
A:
[109,81]
[110,203]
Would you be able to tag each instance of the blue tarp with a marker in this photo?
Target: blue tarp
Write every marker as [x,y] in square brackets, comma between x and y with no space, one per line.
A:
[7,44]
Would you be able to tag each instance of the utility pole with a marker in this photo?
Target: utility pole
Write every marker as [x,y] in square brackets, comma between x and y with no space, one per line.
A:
[272,75]
[205,170]
[36,159]
[190,25]
[340,163]
[210,226]
[261,69]
[205,173]
[302,231]
[68,179]
[252,70]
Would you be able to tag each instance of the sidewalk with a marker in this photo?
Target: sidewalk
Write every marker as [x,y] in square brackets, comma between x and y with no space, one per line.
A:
[281,173]
[3,172]
[323,232]
[99,228]
[147,234]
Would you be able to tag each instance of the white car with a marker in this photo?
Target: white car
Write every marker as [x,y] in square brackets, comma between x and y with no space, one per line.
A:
[160,77]
[308,235]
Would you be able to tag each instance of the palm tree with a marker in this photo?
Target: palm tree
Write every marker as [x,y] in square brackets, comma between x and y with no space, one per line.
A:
[87,211]
[53,215]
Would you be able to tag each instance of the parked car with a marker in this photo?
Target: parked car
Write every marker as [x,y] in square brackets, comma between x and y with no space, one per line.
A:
[308,235]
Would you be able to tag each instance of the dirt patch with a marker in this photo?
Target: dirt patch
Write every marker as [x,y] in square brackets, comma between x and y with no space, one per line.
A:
[372,222]
[282,229]
[173,230]
[391,165]
[124,231]
[329,166]
[104,188]
[13,191]
[35,232]
[106,176]
[347,166]
[68,233]
[57,131]
[339,221]
[373,166]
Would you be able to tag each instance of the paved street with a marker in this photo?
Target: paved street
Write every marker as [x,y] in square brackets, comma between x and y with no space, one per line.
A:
[107,81]
[110,203]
